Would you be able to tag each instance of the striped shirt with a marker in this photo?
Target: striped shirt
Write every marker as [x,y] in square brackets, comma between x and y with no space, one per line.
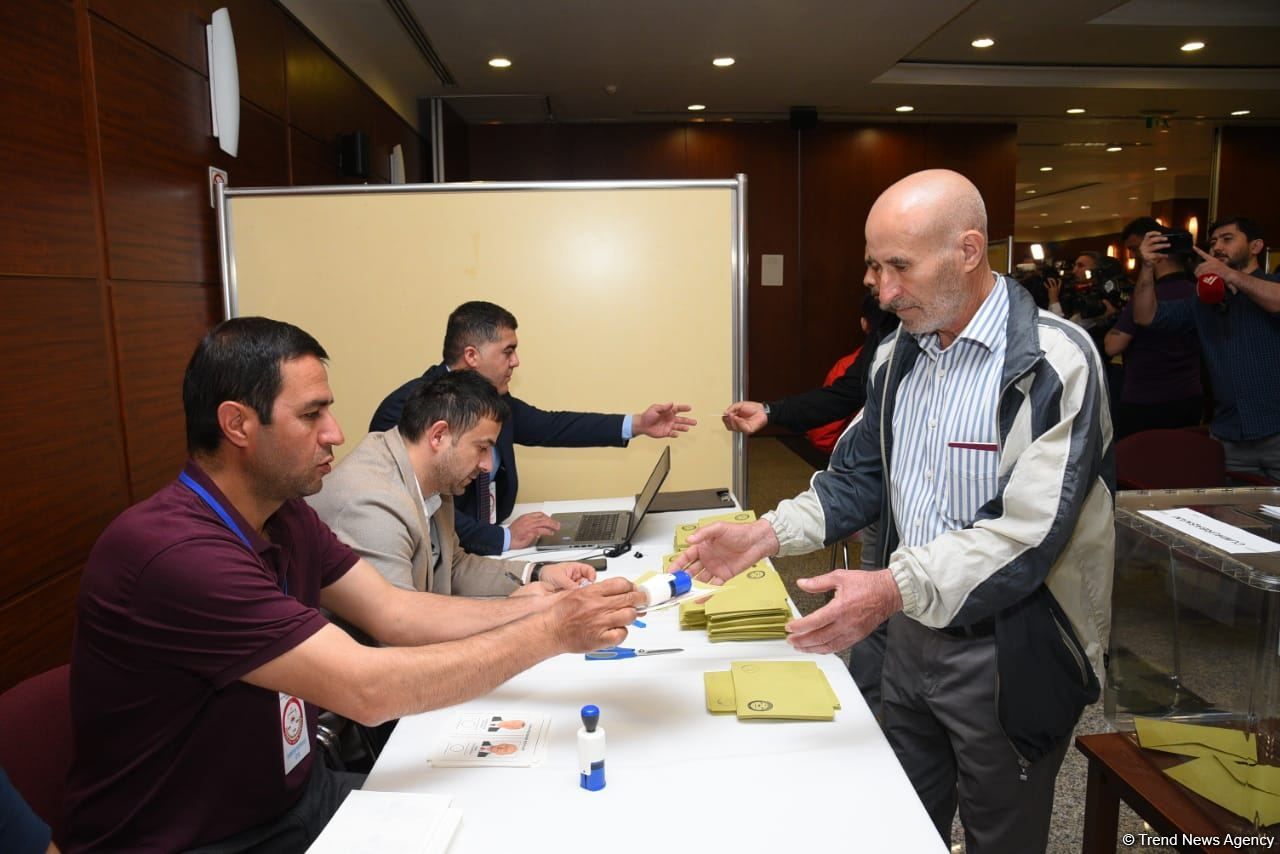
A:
[946,455]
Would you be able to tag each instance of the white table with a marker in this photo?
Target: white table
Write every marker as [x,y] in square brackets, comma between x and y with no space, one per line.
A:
[678,778]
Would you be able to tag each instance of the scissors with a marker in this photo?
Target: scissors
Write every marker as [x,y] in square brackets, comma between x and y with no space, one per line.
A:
[612,652]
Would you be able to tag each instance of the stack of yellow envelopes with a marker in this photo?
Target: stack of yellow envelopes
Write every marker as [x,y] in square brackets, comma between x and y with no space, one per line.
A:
[1224,769]
[752,605]
[683,531]
[771,690]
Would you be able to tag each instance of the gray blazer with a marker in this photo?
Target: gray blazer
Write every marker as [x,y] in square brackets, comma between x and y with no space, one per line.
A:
[371,502]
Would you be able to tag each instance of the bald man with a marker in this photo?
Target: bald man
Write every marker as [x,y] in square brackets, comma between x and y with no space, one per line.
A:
[984,453]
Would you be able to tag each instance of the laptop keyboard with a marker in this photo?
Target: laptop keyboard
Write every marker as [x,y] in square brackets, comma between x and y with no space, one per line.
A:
[597,526]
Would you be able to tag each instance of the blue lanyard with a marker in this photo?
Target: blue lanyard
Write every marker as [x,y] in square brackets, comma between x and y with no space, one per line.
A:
[223,515]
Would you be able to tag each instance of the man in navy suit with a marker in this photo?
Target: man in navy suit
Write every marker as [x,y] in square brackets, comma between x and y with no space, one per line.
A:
[481,337]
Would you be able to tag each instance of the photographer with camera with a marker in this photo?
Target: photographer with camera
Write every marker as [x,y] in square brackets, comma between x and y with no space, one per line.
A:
[1161,369]
[1237,319]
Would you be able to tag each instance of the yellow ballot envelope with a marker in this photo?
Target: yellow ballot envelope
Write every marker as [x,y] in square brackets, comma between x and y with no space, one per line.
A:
[683,531]
[771,690]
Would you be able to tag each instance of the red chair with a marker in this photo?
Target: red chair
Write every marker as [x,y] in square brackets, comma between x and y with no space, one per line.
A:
[1176,459]
[35,741]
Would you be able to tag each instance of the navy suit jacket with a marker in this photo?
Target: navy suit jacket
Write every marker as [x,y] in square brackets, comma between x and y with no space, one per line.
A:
[528,425]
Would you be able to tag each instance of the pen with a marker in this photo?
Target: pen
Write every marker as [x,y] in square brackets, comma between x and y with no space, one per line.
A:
[514,578]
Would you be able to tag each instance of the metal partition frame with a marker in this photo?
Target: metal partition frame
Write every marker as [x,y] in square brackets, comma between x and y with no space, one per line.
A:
[738,255]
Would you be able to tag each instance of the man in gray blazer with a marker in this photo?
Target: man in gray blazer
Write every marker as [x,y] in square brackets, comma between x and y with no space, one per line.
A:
[391,499]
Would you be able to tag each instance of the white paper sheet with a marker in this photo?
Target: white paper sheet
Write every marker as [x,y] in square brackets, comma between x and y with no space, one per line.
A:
[377,822]
[1206,529]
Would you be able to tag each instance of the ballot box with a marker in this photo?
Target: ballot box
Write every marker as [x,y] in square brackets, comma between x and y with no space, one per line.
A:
[1195,620]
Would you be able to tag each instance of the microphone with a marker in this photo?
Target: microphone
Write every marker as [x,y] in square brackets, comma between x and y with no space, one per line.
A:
[1211,289]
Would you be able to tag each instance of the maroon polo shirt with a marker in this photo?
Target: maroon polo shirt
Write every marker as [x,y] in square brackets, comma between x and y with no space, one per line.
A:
[171,749]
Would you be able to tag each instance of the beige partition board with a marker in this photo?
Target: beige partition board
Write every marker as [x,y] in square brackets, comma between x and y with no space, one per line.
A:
[626,294]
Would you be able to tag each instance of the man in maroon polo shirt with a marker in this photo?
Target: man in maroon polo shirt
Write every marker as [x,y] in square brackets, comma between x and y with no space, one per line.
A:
[200,656]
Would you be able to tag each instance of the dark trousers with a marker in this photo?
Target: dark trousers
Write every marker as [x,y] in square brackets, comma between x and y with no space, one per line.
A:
[294,831]
[939,714]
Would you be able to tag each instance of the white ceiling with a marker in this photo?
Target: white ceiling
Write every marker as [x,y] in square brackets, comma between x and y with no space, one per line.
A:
[857,61]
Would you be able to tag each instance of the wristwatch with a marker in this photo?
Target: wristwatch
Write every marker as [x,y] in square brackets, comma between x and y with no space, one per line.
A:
[536,573]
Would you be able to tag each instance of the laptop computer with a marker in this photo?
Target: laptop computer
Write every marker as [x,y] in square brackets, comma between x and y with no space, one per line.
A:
[595,530]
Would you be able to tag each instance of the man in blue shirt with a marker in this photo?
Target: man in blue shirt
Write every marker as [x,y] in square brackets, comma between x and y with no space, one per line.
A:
[1240,338]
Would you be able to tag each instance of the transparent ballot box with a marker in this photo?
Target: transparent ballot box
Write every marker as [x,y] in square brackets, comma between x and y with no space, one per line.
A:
[1195,621]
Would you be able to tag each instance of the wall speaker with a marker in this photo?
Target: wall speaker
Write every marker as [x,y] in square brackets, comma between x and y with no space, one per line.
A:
[804,118]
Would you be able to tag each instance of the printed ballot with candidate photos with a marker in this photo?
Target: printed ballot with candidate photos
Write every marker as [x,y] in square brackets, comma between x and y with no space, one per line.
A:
[493,739]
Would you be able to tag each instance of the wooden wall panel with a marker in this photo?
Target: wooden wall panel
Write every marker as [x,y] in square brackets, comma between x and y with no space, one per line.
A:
[325,100]
[988,156]
[46,207]
[845,168]
[36,628]
[61,448]
[95,337]
[313,162]
[158,327]
[264,151]
[1249,177]
[767,154]
[156,150]
[172,27]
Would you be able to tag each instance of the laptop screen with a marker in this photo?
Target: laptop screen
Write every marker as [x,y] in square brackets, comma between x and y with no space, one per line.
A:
[646,496]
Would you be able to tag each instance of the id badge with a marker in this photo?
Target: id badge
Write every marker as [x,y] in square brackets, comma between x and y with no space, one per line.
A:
[293,731]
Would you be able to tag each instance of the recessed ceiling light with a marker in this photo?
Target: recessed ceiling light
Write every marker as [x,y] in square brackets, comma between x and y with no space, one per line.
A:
[1069,221]
[1114,148]
[1084,207]
[1031,192]
[1046,168]
[1044,214]
[1036,227]
[1192,47]
[696,107]
[905,108]
[1240,112]
[1075,111]
[1161,169]
[500,62]
[983,42]
[723,61]
[1133,198]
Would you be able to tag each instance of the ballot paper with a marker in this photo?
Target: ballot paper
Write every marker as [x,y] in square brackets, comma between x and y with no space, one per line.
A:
[1270,510]
[1209,778]
[493,740]
[1195,739]
[1207,529]
[771,690]
[1224,769]
[376,822]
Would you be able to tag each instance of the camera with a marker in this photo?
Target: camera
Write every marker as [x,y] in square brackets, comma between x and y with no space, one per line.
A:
[1180,243]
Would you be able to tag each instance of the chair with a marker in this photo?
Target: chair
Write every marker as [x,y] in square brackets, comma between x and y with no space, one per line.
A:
[35,741]
[1176,459]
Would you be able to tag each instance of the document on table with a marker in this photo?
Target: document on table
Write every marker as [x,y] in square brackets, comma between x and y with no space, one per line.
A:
[1207,529]
[493,740]
[1270,510]
[377,822]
